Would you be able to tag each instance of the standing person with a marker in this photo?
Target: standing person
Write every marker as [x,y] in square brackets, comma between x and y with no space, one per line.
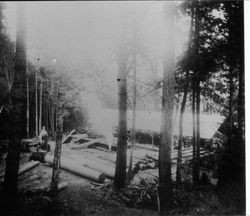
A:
[43,137]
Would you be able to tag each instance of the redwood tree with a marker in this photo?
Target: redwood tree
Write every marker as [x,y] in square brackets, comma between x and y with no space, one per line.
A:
[121,158]
[165,178]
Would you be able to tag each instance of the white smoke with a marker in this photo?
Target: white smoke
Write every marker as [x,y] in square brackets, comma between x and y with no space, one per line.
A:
[99,119]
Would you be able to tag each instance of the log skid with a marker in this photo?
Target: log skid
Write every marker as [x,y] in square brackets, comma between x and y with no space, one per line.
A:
[92,160]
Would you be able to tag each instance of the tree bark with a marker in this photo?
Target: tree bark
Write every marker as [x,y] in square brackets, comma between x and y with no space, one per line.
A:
[194,133]
[133,122]
[231,86]
[58,147]
[41,104]
[17,115]
[198,130]
[121,157]
[36,104]
[196,98]
[165,177]
[180,143]
[28,107]
[241,95]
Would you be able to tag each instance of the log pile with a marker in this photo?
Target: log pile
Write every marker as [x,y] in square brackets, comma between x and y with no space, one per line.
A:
[81,155]
[77,168]
[24,168]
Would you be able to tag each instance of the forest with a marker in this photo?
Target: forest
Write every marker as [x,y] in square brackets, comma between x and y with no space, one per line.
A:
[193,63]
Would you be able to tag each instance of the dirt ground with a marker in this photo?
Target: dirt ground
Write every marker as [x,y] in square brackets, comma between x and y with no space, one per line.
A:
[80,197]
[84,197]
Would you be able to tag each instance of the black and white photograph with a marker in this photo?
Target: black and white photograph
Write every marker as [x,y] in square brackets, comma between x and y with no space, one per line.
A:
[128,108]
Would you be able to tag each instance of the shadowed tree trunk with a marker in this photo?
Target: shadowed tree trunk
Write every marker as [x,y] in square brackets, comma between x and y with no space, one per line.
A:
[58,147]
[241,95]
[194,134]
[179,158]
[36,104]
[28,107]
[18,110]
[121,157]
[41,104]
[165,177]
[198,130]
[134,107]
[241,108]
[230,70]
[196,98]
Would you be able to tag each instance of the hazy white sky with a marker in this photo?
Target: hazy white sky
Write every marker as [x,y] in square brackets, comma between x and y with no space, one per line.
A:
[74,31]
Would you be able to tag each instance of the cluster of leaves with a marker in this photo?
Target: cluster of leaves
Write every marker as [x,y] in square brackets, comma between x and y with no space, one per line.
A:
[206,53]
[7,57]
[143,195]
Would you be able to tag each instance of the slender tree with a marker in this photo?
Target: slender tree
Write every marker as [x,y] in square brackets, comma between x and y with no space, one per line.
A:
[58,147]
[28,106]
[41,102]
[180,142]
[36,101]
[165,179]
[133,135]
[194,141]
[198,130]
[121,158]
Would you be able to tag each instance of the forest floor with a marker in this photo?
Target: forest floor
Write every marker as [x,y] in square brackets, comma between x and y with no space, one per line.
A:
[79,200]
[83,197]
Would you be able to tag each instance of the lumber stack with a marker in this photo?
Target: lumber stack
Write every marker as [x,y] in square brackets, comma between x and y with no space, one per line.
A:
[77,168]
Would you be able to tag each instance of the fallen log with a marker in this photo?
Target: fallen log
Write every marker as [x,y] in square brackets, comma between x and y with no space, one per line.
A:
[78,155]
[24,168]
[62,186]
[87,144]
[78,137]
[74,167]
[147,147]
[65,138]
[87,162]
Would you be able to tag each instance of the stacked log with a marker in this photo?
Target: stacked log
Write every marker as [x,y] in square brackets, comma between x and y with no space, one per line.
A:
[24,168]
[76,168]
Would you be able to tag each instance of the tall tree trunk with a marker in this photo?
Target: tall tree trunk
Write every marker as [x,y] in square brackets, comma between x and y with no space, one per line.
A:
[241,109]
[17,112]
[165,177]
[231,85]
[133,117]
[231,91]
[53,120]
[58,147]
[198,130]
[121,157]
[51,110]
[194,133]
[47,114]
[41,104]
[28,107]
[36,98]
[183,105]
[241,95]
[196,94]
